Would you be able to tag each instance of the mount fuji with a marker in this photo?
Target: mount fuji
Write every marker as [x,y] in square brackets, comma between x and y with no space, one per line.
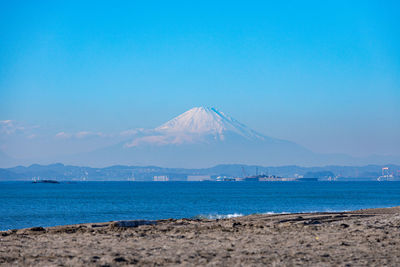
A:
[198,138]
[198,125]
[201,137]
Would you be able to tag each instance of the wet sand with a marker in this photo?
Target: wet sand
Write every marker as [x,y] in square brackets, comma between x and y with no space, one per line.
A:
[359,238]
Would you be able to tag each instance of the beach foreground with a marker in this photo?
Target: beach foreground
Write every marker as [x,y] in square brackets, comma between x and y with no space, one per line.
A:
[358,238]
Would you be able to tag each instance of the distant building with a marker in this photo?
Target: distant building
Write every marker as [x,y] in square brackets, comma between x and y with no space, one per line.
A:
[224,179]
[161,178]
[197,178]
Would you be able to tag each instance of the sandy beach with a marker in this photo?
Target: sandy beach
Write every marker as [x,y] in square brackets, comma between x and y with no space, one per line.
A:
[358,238]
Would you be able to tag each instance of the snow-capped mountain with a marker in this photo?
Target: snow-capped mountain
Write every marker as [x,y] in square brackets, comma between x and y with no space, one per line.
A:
[197,125]
[204,120]
[205,136]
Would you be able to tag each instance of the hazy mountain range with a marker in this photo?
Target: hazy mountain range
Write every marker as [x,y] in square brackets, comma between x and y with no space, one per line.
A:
[146,173]
[199,138]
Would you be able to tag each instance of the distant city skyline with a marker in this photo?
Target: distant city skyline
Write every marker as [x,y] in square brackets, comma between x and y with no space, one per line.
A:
[323,75]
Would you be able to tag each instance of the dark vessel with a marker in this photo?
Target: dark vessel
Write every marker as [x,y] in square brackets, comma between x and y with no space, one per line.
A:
[45,182]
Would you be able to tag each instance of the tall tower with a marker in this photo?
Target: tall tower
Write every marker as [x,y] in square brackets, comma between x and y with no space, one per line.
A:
[385,171]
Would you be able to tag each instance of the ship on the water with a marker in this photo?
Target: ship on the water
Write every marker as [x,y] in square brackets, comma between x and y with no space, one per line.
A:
[38,181]
[387,175]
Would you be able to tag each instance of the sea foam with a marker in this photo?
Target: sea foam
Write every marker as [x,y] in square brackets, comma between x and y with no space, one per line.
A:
[218,216]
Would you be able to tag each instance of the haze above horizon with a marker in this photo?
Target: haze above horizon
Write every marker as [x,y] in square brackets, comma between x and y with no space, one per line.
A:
[323,75]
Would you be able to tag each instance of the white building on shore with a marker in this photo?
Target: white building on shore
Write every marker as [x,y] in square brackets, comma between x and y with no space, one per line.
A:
[161,178]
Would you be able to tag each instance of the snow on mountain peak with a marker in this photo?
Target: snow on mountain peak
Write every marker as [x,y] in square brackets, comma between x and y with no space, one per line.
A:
[205,120]
[196,125]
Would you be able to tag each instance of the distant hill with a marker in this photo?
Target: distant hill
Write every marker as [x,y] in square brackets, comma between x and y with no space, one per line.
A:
[119,172]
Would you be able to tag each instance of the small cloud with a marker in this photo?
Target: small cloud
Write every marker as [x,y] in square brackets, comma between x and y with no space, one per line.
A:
[80,135]
[166,139]
[63,135]
[83,134]
[155,140]
[9,127]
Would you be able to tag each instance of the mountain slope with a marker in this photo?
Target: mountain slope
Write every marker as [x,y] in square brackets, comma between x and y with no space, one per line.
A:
[199,125]
[203,120]
[202,137]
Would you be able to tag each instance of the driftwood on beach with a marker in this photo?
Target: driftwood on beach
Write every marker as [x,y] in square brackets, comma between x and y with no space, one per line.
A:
[359,238]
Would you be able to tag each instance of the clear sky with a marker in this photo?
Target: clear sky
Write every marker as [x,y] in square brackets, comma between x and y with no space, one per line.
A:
[324,74]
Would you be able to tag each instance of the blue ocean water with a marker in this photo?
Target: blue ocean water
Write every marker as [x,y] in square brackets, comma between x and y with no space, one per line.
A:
[24,204]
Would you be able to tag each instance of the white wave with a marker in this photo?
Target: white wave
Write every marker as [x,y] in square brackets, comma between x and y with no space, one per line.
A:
[304,211]
[234,215]
[219,216]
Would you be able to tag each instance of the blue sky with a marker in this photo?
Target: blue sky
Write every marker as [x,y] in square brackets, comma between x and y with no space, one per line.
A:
[324,74]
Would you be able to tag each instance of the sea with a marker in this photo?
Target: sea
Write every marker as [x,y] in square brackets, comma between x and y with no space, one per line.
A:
[25,204]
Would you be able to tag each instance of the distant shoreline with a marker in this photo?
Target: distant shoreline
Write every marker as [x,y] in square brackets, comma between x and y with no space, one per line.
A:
[63,172]
[346,179]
